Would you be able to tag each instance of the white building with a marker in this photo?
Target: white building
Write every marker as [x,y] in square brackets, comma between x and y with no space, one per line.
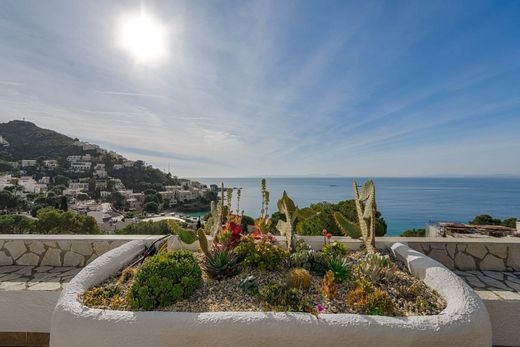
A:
[79,186]
[128,163]
[105,194]
[101,185]
[86,157]
[50,164]
[186,195]
[80,166]
[118,166]
[28,162]
[30,185]
[45,180]
[72,158]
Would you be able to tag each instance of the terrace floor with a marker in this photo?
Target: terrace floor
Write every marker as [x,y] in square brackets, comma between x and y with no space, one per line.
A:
[50,278]
[493,284]
[36,290]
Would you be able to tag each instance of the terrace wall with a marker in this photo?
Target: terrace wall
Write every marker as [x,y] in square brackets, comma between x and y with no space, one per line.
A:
[58,250]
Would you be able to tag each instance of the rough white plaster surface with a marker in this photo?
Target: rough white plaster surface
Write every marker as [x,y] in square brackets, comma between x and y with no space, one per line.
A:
[464,322]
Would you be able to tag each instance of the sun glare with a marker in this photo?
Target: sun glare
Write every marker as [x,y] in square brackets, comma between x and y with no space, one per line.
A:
[144,37]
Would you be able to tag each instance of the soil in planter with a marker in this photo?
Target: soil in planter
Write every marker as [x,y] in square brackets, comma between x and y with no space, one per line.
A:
[407,294]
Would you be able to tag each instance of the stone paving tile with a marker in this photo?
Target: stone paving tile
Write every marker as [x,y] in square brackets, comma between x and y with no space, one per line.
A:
[494,285]
[35,278]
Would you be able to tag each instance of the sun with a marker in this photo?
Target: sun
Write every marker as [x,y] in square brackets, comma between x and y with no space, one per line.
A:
[143,36]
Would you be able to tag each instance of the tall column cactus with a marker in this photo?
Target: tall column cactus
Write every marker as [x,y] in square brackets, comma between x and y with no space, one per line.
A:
[366,212]
[287,207]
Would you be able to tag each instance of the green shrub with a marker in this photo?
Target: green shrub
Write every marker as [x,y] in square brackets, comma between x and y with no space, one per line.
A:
[413,233]
[321,216]
[280,297]
[164,279]
[261,254]
[162,227]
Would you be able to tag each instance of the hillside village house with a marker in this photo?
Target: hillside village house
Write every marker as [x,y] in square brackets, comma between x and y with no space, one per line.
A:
[80,166]
[72,158]
[50,164]
[28,162]
[30,185]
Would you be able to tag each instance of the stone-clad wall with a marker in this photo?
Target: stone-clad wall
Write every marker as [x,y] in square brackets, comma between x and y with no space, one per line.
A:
[484,256]
[57,250]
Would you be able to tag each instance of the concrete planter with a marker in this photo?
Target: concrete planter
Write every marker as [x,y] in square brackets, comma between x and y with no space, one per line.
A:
[464,322]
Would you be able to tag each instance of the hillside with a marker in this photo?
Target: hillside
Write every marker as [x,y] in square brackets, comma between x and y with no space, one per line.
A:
[28,141]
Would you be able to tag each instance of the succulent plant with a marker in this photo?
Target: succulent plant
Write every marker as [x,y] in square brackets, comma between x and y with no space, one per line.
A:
[376,267]
[328,286]
[220,264]
[299,278]
[340,269]
[249,285]
[369,299]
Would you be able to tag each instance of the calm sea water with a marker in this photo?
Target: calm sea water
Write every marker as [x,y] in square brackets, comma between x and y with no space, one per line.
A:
[404,202]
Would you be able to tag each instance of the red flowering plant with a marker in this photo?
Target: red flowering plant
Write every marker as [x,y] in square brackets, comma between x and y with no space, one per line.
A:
[326,236]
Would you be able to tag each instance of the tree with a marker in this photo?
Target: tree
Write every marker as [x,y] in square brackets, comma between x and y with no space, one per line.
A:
[510,222]
[63,204]
[151,207]
[485,219]
[53,221]
[61,180]
[118,200]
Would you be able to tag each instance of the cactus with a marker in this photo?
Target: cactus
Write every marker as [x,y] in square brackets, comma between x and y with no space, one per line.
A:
[366,212]
[299,278]
[203,241]
[347,227]
[287,207]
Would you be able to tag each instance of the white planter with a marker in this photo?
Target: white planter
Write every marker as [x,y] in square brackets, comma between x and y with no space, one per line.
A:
[464,322]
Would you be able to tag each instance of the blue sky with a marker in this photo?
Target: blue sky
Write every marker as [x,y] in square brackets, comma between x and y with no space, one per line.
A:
[366,88]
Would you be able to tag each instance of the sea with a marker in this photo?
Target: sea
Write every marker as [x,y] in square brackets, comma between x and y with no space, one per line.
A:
[404,202]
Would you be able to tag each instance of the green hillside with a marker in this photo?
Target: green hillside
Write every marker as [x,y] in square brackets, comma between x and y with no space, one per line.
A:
[27,141]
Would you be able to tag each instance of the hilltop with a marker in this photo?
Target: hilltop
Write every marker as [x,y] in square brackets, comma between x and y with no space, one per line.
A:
[27,141]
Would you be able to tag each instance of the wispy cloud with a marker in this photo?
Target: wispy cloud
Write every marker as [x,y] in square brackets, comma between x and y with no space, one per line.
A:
[270,87]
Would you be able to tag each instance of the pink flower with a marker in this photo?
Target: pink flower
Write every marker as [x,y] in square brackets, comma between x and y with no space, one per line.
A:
[328,236]
[320,308]
[324,232]
[257,235]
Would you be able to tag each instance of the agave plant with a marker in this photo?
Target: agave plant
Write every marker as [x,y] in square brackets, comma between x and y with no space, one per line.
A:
[340,269]
[377,267]
[220,264]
